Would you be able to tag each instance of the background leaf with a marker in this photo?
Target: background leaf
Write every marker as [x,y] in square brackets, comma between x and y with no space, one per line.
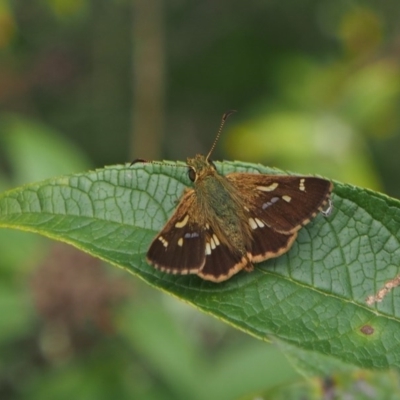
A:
[313,297]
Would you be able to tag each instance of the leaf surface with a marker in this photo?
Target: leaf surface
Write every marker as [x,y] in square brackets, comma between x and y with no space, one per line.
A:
[312,297]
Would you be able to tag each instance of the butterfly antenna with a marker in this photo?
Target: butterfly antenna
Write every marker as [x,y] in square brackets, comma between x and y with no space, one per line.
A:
[224,118]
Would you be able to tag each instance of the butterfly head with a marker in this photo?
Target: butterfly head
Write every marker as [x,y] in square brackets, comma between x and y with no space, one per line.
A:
[199,167]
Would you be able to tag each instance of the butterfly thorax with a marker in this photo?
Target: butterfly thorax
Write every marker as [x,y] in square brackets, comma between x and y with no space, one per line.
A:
[220,206]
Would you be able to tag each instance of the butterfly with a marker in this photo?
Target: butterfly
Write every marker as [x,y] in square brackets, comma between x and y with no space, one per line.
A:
[227,223]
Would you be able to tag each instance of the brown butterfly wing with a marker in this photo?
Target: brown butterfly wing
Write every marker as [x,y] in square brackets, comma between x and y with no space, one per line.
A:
[221,261]
[180,246]
[277,207]
[268,243]
[284,203]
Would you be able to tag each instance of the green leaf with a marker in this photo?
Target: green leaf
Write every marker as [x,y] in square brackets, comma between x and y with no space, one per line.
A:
[312,297]
[311,364]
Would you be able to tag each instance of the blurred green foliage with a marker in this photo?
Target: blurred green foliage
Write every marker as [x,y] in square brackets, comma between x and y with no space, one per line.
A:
[317,87]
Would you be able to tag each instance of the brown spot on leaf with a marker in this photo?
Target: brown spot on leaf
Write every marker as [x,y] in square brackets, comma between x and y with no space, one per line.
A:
[367,330]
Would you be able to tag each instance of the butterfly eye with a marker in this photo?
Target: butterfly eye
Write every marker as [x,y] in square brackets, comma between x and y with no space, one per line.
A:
[192,174]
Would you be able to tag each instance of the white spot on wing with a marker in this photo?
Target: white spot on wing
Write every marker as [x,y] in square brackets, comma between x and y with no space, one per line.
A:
[213,246]
[268,188]
[287,198]
[181,224]
[208,249]
[259,223]
[253,224]
[302,186]
[180,242]
[163,241]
